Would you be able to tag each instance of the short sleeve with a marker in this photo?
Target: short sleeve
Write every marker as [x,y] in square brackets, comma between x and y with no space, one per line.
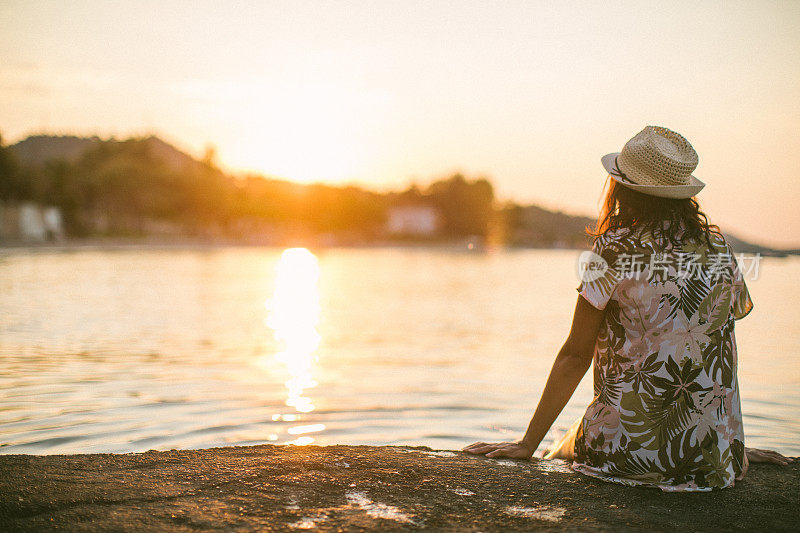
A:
[742,303]
[598,276]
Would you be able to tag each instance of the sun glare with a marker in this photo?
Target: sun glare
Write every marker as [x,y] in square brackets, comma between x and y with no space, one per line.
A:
[293,316]
[303,135]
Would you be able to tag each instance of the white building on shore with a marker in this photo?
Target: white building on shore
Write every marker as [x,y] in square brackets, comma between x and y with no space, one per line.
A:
[30,222]
[413,220]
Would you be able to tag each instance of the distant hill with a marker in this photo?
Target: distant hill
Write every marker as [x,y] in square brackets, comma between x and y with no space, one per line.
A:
[740,246]
[554,228]
[37,150]
[175,158]
[538,225]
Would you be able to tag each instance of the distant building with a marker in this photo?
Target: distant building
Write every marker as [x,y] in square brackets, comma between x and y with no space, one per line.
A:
[413,221]
[53,223]
[30,222]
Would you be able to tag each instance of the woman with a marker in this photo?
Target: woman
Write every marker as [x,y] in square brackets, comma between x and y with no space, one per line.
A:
[655,311]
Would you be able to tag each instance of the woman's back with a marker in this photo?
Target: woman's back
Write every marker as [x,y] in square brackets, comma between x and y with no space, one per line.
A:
[666,410]
[658,323]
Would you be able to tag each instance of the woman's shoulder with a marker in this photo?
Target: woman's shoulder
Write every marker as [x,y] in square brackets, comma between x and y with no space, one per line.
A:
[719,243]
[639,240]
[713,243]
[620,239]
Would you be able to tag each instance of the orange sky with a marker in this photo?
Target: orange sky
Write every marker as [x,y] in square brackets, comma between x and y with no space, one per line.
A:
[381,93]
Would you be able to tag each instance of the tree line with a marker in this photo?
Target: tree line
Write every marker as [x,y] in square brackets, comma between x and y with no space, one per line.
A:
[119,187]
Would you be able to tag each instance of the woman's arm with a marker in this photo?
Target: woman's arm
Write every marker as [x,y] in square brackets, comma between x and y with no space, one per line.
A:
[570,365]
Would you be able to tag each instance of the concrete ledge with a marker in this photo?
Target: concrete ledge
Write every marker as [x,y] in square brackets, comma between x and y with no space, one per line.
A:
[363,488]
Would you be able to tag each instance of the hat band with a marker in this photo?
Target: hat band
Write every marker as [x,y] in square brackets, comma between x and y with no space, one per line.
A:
[616,171]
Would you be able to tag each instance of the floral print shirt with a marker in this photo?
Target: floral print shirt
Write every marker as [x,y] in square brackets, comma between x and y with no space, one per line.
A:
[666,411]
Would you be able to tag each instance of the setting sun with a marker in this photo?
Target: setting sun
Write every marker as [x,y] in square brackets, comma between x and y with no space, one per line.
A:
[303,134]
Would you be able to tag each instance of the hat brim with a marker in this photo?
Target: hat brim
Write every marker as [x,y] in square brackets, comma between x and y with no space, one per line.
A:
[663,191]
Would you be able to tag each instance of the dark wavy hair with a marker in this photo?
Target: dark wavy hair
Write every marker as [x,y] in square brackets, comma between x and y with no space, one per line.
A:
[624,208]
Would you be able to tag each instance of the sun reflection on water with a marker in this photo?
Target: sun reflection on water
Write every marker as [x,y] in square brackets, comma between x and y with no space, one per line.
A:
[293,316]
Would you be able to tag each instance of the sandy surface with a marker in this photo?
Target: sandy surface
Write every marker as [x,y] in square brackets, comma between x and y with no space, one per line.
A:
[363,488]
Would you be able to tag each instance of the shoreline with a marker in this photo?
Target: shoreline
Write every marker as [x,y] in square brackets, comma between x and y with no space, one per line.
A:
[122,244]
[466,245]
[177,244]
[341,487]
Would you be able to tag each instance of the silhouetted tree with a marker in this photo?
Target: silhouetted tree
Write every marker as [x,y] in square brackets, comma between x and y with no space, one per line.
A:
[466,207]
[13,186]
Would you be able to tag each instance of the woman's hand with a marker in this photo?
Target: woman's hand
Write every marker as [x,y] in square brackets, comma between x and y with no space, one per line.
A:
[755,455]
[515,450]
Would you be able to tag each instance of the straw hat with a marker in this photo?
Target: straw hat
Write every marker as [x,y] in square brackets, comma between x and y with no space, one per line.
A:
[658,162]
